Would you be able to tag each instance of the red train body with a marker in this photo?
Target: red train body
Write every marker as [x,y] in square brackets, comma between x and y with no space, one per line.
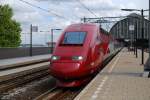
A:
[79,53]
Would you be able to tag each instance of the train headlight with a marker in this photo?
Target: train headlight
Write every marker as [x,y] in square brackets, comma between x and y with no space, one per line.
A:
[53,58]
[77,58]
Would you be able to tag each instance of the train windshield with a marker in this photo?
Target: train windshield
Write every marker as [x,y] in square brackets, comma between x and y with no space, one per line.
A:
[74,38]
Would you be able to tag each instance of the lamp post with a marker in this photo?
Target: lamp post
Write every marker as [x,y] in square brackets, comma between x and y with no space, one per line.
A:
[31,29]
[52,38]
[136,31]
[142,37]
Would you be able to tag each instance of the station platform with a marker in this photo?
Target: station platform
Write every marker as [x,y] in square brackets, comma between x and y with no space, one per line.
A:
[13,62]
[121,79]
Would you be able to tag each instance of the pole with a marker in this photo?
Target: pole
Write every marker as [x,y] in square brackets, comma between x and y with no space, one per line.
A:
[51,40]
[31,40]
[136,32]
[134,42]
[142,36]
[134,35]
[148,27]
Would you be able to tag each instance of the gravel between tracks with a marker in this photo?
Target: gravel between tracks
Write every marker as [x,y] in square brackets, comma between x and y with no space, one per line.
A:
[31,90]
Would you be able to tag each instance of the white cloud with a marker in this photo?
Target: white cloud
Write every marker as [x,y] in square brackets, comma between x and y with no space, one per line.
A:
[72,10]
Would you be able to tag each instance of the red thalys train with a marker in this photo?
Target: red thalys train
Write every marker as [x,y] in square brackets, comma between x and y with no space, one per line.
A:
[79,53]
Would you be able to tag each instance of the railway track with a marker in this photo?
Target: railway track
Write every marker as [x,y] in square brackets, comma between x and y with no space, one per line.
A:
[57,93]
[16,76]
[13,83]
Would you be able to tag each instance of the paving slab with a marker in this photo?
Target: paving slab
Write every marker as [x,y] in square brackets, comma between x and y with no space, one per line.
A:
[121,79]
[16,72]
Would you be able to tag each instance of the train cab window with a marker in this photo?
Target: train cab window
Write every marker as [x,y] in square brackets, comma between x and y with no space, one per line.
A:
[74,38]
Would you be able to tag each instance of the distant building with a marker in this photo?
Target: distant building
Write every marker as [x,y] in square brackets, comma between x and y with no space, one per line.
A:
[124,33]
[121,29]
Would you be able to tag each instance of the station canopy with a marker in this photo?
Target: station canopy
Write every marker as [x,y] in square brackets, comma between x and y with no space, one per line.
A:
[131,26]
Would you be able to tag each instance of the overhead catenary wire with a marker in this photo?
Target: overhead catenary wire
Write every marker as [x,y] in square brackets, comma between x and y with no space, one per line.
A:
[90,10]
[83,5]
[102,18]
[43,9]
[73,15]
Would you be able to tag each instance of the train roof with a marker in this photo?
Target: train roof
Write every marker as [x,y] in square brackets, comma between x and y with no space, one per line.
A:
[84,24]
[80,26]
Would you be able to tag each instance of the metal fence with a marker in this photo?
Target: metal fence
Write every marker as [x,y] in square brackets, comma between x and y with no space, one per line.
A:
[41,44]
[30,43]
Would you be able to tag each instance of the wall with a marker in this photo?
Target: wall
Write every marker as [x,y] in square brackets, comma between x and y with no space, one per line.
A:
[22,52]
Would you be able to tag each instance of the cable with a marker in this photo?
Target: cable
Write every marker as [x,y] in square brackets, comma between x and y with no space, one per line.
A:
[60,1]
[42,9]
[86,8]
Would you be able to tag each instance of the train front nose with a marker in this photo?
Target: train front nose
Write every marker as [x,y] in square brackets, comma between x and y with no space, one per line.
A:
[65,70]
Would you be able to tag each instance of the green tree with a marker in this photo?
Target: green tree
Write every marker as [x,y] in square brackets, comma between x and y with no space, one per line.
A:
[9,29]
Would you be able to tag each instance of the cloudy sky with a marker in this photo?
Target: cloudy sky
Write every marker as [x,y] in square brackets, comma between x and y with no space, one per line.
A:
[49,14]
